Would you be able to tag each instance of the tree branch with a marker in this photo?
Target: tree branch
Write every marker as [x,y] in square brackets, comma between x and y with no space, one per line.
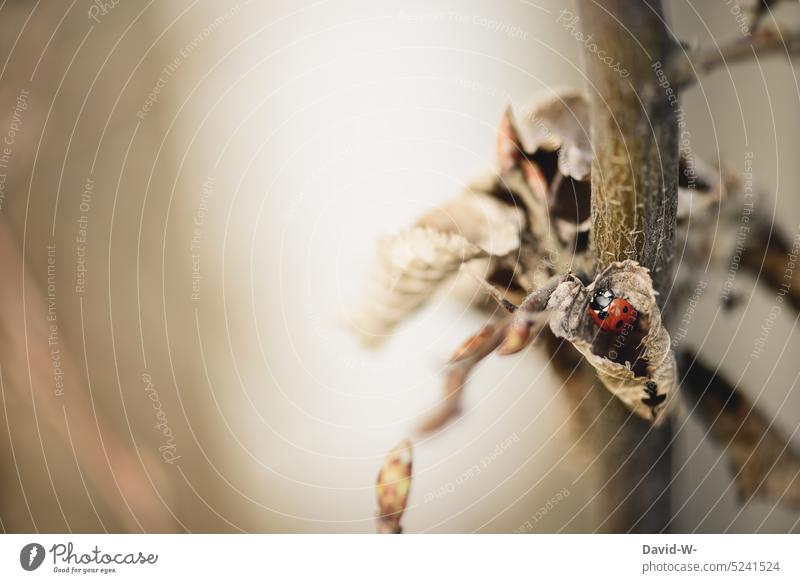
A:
[684,69]
[634,137]
[762,459]
[768,255]
[634,198]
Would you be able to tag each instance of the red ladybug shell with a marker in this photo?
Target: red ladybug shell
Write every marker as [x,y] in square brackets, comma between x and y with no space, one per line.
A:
[610,313]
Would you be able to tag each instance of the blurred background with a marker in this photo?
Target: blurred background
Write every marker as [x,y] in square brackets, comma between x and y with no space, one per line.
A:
[190,199]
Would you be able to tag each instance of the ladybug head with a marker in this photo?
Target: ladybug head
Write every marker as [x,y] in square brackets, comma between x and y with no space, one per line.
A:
[601,299]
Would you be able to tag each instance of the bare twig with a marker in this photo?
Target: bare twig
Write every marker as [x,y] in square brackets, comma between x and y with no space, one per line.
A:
[507,336]
[685,68]
[465,358]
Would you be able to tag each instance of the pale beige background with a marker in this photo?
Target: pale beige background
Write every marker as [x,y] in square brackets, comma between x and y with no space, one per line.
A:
[324,125]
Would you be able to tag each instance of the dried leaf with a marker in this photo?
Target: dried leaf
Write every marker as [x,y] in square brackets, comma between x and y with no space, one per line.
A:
[545,162]
[409,269]
[636,365]
[509,150]
[411,265]
[559,121]
[483,220]
[392,488]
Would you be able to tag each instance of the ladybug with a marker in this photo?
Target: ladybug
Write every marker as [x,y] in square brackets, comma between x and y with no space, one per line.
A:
[611,313]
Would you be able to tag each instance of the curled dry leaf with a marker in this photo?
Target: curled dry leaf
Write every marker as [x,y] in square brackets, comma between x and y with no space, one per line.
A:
[545,164]
[559,122]
[531,220]
[408,271]
[636,365]
[392,488]
[480,219]
[413,264]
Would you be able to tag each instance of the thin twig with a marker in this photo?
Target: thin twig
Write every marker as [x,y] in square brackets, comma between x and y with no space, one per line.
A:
[685,68]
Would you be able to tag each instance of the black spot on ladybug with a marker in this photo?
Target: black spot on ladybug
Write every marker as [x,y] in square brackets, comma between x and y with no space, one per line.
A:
[610,313]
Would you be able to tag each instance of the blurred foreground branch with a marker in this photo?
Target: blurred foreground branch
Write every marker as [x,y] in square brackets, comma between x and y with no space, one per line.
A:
[125,479]
[684,69]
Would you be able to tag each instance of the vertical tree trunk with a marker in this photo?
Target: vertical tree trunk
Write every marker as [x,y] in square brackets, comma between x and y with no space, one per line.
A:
[634,197]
